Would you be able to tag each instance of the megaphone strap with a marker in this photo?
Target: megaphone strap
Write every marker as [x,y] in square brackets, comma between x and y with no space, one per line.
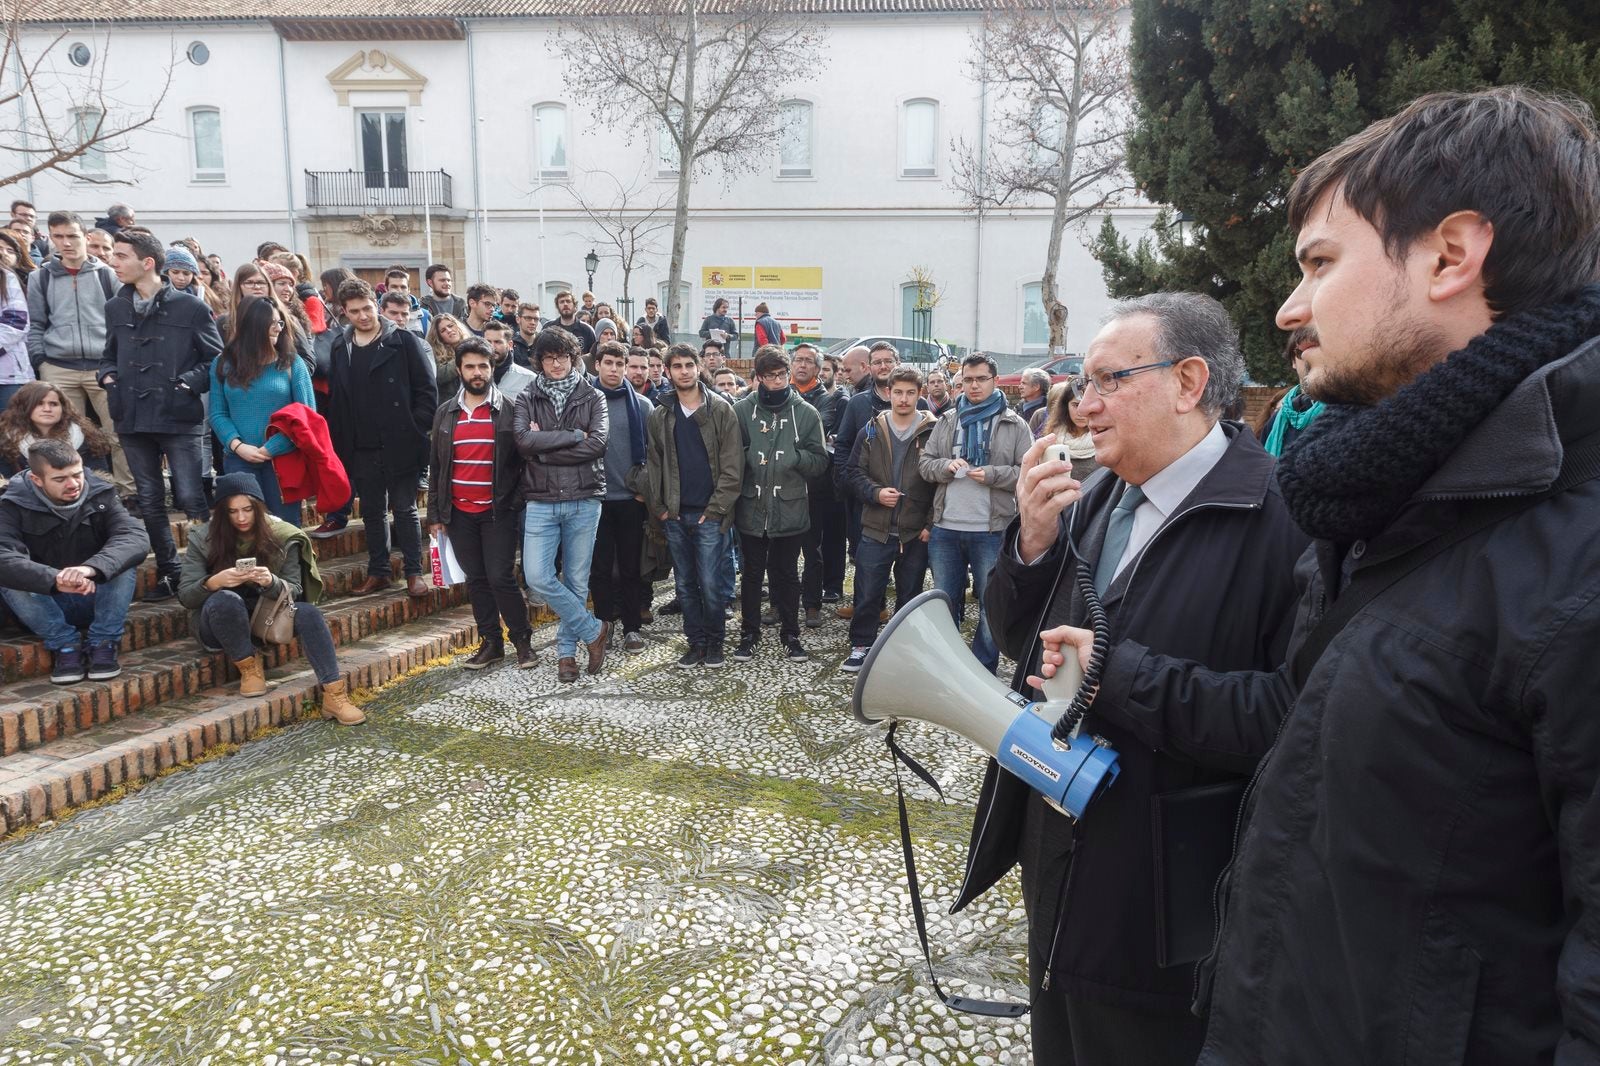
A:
[987,1007]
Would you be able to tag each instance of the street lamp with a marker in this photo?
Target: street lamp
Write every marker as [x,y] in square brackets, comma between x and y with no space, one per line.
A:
[591,263]
[1185,224]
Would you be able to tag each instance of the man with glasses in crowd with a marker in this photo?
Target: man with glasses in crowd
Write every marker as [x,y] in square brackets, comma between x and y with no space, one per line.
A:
[527,329]
[974,456]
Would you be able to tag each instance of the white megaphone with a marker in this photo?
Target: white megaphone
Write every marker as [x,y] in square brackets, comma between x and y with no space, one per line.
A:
[920,669]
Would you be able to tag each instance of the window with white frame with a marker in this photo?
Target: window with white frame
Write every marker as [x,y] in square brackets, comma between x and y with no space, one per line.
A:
[919,139]
[1035,326]
[550,140]
[667,155]
[86,124]
[685,292]
[205,144]
[381,142]
[794,139]
[1048,126]
[549,313]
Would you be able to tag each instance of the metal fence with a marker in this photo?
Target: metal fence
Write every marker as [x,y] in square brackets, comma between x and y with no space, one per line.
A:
[378,188]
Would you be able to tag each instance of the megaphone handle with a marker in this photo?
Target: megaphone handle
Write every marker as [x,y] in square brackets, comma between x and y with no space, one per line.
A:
[1068,677]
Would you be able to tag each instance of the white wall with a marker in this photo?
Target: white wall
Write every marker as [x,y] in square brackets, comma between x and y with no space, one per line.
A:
[855,216]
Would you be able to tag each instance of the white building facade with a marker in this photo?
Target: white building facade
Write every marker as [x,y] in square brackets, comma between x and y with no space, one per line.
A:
[448,137]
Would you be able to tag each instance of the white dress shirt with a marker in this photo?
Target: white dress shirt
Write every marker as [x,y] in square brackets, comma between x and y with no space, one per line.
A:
[1168,488]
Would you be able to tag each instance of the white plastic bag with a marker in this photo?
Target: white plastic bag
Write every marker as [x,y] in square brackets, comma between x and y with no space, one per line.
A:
[446,570]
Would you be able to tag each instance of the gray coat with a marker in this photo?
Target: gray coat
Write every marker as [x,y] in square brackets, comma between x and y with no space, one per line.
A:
[67,314]
[1008,443]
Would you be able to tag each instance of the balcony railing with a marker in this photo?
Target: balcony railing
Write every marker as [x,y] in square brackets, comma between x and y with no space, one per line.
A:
[377,188]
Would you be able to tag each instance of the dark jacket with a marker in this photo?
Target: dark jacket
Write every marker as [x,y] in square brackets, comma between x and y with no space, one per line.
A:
[1227,555]
[156,365]
[398,397]
[722,322]
[871,467]
[856,412]
[565,456]
[829,404]
[35,543]
[1415,877]
[719,432]
[507,475]
[658,328]
[783,452]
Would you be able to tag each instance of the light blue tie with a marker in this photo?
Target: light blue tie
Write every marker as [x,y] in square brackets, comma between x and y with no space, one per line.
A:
[1118,531]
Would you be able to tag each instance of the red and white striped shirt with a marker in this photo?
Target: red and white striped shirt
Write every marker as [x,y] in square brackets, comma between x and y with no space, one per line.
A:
[472,463]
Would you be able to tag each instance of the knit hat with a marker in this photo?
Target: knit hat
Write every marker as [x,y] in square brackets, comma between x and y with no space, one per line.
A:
[180,258]
[238,483]
[274,271]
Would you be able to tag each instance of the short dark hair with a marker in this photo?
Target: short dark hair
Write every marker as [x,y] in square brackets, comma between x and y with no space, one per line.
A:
[616,348]
[769,357]
[434,268]
[54,453]
[397,272]
[474,346]
[728,370]
[681,351]
[265,249]
[883,346]
[498,326]
[1527,161]
[145,245]
[981,359]
[64,218]
[21,203]
[354,289]
[651,301]
[480,291]
[553,341]
[116,211]
[395,299]
[510,294]
[907,373]
[713,343]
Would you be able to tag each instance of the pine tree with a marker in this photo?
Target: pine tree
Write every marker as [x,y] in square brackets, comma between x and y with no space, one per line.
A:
[1234,96]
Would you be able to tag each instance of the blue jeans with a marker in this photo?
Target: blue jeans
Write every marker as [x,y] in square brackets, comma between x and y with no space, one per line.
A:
[267,478]
[950,553]
[874,561]
[57,616]
[182,450]
[570,528]
[699,550]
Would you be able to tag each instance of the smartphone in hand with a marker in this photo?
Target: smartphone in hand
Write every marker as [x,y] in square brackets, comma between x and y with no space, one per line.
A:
[247,562]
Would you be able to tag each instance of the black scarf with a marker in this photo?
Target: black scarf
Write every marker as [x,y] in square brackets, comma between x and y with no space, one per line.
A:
[772,398]
[1351,471]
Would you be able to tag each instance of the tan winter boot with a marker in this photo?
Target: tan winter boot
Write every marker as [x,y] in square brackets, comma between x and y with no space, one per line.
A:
[252,682]
[336,704]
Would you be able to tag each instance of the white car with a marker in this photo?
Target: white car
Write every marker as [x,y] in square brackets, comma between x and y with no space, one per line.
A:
[924,354]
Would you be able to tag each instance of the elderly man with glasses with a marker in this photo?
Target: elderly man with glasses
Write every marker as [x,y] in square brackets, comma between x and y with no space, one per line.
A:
[1188,545]
[974,456]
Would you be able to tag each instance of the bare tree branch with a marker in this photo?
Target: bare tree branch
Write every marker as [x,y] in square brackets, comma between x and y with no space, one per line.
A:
[628,219]
[1058,72]
[712,83]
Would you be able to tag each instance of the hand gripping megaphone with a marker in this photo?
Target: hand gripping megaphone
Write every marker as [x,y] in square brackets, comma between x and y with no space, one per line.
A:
[920,669]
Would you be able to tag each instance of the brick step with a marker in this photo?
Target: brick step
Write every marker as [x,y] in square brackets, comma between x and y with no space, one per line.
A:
[38,785]
[150,624]
[37,712]
[352,540]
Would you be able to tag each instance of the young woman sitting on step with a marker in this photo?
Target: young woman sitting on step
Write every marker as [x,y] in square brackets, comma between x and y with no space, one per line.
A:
[222,595]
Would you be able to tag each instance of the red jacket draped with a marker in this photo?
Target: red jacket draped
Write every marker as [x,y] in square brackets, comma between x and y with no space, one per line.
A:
[312,470]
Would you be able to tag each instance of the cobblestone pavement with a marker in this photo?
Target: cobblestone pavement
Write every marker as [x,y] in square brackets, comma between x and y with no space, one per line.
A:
[650,866]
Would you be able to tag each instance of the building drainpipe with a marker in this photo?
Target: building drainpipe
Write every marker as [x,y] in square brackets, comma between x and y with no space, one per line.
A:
[983,162]
[472,123]
[288,168]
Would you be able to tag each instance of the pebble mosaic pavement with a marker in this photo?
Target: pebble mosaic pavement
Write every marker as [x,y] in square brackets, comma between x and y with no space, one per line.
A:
[650,866]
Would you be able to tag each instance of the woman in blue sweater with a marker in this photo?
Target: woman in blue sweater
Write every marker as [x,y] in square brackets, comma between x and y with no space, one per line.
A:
[256,376]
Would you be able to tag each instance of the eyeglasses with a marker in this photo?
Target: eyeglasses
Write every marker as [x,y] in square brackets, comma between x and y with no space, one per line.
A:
[1105,382]
[775,377]
[965,380]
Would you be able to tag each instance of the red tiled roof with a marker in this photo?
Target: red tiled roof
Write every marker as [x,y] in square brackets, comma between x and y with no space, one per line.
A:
[366,11]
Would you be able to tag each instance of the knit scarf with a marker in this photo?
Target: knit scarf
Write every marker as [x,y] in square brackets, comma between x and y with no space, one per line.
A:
[1290,415]
[636,415]
[1352,470]
[560,390]
[772,399]
[976,426]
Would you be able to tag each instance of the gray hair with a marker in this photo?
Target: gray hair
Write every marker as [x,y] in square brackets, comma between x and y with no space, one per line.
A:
[1037,377]
[1190,325]
[116,211]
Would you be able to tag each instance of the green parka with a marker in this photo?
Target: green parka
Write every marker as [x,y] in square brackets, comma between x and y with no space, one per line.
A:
[783,448]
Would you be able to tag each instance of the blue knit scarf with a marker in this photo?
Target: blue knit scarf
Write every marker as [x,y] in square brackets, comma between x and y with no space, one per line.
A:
[977,425]
[637,413]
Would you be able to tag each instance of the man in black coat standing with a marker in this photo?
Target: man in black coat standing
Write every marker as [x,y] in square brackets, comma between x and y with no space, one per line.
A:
[381,401]
[157,364]
[1415,878]
[1184,530]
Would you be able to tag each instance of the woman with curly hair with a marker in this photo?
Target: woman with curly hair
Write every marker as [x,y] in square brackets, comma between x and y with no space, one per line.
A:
[443,336]
[16,370]
[40,411]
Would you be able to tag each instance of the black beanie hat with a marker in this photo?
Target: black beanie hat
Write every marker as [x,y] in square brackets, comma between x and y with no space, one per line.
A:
[238,483]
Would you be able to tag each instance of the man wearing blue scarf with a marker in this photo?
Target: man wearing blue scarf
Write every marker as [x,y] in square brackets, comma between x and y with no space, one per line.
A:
[614,581]
[974,456]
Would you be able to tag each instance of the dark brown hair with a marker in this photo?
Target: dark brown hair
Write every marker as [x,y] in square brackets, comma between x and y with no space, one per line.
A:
[16,423]
[250,349]
[768,357]
[222,539]
[1526,161]
[354,289]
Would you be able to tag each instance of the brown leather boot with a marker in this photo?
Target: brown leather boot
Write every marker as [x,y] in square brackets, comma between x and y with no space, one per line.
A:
[252,682]
[597,648]
[336,704]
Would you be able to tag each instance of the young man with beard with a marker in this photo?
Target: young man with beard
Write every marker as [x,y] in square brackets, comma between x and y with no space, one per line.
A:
[509,378]
[1413,879]
[637,371]
[440,298]
[561,428]
[694,470]
[397,281]
[823,547]
[783,451]
[474,483]
[618,592]
[582,332]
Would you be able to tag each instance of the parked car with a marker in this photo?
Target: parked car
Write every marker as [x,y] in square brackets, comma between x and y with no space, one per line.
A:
[1060,369]
[925,354]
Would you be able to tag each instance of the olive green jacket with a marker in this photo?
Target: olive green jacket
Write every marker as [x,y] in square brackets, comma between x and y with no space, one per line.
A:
[296,568]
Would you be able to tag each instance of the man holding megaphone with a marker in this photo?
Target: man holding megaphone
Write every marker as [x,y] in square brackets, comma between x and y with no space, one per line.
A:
[1192,551]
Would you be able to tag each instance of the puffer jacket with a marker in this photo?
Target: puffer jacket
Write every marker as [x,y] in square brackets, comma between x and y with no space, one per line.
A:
[564,456]
[871,467]
[1008,443]
[724,444]
[783,450]
[1417,877]
[35,542]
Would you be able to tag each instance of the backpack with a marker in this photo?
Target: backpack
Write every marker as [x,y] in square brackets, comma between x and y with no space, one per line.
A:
[108,283]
